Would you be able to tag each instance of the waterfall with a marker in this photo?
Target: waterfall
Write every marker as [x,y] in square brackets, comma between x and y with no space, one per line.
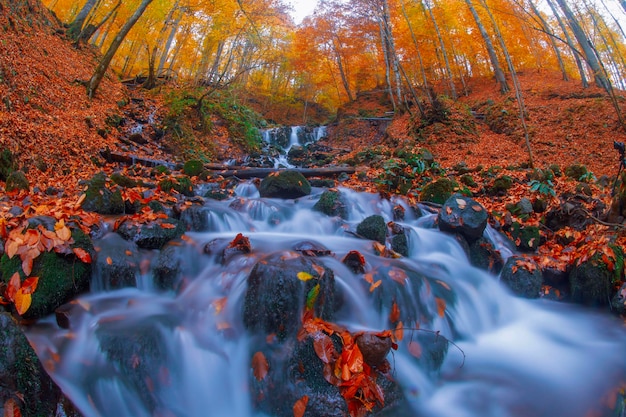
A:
[132,352]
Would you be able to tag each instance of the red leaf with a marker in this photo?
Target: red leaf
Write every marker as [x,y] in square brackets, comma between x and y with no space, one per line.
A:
[260,366]
[30,285]
[324,348]
[394,315]
[300,406]
[14,285]
[11,409]
[168,226]
[415,349]
[441,306]
[82,254]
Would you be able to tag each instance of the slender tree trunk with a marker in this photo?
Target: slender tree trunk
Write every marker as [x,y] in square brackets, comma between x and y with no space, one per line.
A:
[391,48]
[97,76]
[570,43]
[587,48]
[342,73]
[444,53]
[516,84]
[493,57]
[387,64]
[174,27]
[555,48]
[417,50]
[77,24]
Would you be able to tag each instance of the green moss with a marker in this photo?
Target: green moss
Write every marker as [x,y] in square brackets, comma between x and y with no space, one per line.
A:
[7,164]
[123,180]
[576,171]
[193,168]
[331,203]
[439,191]
[100,199]
[374,228]
[17,181]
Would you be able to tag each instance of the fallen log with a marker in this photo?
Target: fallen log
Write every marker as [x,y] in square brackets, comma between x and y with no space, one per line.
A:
[247,173]
[114,157]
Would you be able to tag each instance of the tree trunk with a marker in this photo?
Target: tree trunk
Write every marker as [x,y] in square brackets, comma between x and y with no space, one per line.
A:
[443,52]
[555,48]
[493,57]
[342,73]
[103,65]
[417,49]
[168,44]
[570,43]
[587,48]
[77,24]
[516,85]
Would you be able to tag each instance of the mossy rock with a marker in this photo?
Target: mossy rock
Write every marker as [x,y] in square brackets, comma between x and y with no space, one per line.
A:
[332,203]
[483,255]
[400,244]
[152,235]
[527,238]
[22,376]
[285,184]
[591,282]
[62,277]
[524,282]
[468,180]
[182,185]
[575,171]
[464,216]
[17,181]
[100,199]
[193,168]
[500,186]
[7,164]
[123,181]
[439,191]
[374,228]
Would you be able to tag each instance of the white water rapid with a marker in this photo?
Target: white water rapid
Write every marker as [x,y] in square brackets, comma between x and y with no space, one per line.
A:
[142,352]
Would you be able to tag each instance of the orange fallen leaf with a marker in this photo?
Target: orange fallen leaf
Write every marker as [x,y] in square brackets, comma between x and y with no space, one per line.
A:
[260,366]
[168,226]
[22,301]
[109,260]
[11,409]
[300,406]
[82,254]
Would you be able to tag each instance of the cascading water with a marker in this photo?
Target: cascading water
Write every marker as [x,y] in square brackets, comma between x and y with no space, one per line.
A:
[285,138]
[138,353]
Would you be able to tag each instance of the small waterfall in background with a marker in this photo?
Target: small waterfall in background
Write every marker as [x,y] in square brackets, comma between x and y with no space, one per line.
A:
[280,140]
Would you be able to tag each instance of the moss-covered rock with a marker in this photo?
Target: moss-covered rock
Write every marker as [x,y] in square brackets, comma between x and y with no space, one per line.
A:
[152,235]
[575,171]
[22,376]
[62,277]
[182,185]
[591,281]
[285,184]
[438,191]
[7,164]
[17,181]
[500,186]
[526,238]
[483,255]
[123,181]
[100,199]
[400,244]
[374,228]
[193,168]
[522,276]
[332,203]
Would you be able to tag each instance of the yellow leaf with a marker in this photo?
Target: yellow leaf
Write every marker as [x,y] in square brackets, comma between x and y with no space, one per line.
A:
[64,233]
[304,276]
[375,285]
[22,301]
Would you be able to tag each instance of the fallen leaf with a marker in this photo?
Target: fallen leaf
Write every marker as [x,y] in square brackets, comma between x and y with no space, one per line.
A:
[22,302]
[324,347]
[260,366]
[415,349]
[394,315]
[375,285]
[168,226]
[82,254]
[30,285]
[462,203]
[14,285]
[300,406]
[109,260]
[304,276]
[11,409]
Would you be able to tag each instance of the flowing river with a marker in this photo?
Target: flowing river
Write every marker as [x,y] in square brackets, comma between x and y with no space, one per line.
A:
[144,352]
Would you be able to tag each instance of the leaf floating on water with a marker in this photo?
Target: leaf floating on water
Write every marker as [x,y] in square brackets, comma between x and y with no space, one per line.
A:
[394,315]
[219,304]
[304,276]
[375,285]
[398,275]
[311,297]
[300,406]
[260,366]
[415,349]
[441,306]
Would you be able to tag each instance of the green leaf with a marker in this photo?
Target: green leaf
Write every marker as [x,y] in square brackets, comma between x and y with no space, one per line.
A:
[311,298]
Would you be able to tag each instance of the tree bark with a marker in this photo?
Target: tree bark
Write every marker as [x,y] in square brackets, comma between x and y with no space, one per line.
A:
[77,24]
[555,48]
[493,57]
[599,75]
[443,52]
[103,65]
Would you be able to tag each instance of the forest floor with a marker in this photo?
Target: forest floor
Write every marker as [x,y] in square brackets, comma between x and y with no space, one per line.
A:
[56,134]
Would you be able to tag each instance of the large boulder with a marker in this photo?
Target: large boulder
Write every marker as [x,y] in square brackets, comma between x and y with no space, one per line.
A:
[152,235]
[285,184]
[279,288]
[463,215]
[17,181]
[373,228]
[62,276]
[483,255]
[439,191]
[522,276]
[100,199]
[332,203]
[591,281]
[23,379]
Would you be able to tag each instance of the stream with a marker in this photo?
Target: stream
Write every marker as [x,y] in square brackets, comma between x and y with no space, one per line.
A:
[144,352]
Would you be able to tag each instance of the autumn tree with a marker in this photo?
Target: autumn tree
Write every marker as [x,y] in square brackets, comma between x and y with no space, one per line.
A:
[103,65]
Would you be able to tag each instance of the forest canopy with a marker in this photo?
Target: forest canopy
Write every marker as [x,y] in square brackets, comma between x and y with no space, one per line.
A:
[407,47]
